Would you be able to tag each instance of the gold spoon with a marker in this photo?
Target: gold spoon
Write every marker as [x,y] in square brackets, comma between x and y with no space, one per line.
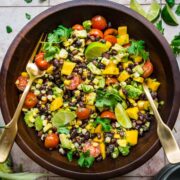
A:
[9,133]
[166,137]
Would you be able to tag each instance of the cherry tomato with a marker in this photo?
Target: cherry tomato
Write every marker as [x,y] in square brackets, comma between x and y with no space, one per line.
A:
[99,22]
[41,62]
[21,82]
[74,83]
[31,100]
[112,39]
[110,81]
[51,141]
[83,113]
[148,69]
[96,33]
[110,31]
[94,150]
[108,114]
[77,27]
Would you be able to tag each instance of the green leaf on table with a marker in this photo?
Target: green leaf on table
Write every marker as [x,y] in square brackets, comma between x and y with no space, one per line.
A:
[175,44]
[28,1]
[178,10]
[159,26]
[28,16]
[170,3]
[9,29]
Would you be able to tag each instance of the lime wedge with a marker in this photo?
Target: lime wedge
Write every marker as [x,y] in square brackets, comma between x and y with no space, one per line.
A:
[122,116]
[168,16]
[137,7]
[154,11]
[95,49]
[62,117]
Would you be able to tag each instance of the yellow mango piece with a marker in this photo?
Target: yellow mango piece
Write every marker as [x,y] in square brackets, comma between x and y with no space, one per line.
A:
[67,68]
[143,105]
[139,79]
[136,58]
[122,142]
[108,44]
[99,140]
[133,112]
[98,129]
[152,84]
[132,101]
[117,136]
[123,39]
[24,74]
[92,107]
[90,98]
[126,64]
[56,104]
[50,69]
[132,137]
[103,150]
[122,30]
[122,94]
[123,76]
[111,68]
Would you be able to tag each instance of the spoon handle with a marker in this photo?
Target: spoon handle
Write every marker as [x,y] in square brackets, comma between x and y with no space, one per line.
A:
[166,137]
[9,133]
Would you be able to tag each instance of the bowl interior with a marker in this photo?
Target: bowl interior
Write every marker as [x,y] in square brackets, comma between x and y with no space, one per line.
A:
[46,22]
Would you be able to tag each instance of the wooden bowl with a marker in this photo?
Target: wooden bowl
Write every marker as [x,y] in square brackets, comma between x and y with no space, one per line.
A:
[166,71]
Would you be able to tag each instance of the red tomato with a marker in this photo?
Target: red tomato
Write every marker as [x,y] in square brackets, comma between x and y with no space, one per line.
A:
[108,114]
[94,150]
[83,113]
[99,22]
[21,82]
[96,33]
[74,83]
[148,69]
[31,100]
[112,39]
[77,27]
[51,141]
[110,81]
[41,62]
[110,31]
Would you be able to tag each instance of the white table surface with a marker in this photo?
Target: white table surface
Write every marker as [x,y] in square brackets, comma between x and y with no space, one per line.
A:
[12,12]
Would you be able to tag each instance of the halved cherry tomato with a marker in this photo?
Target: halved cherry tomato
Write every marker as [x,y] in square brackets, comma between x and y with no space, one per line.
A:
[74,83]
[99,22]
[93,150]
[112,39]
[77,27]
[147,68]
[110,31]
[83,113]
[21,82]
[51,141]
[108,114]
[41,62]
[31,100]
[110,81]
[96,33]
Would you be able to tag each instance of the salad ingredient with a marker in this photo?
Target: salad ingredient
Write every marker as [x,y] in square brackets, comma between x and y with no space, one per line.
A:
[38,123]
[74,83]
[147,68]
[133,92]
[77,27]
[110,81]
[108,115]
[99,22]
[104,122]
[51,141]
[31,100]
[83,113]
[9,29]
[94,69]
[168,16]
[87,25]
[124,150]
[133,112]
[56,104]
[96,33]
[65,141]
[122,30]
[41,62]
[122,116]
[152,84]
[112,39]
[63,130]
[132,137]
[111,69]
[159,26]
[123,39]
[175,44]
[110,31]
[67,67]
[28,16]
[21,82]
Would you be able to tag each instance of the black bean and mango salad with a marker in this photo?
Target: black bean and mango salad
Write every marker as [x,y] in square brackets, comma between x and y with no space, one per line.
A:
[90,103]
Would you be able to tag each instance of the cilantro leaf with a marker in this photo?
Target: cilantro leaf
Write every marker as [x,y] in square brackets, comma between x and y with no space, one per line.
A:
[106,127]
[28,1]
[63,130]
[170,3]
[137,49]
[160,27]
[175,44]
[9,29]
[70,155]
[178,10]
[28,16]
[85,160]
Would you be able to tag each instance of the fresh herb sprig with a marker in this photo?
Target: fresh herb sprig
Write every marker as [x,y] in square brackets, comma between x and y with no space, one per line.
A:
[178,10]
[106,127]
[85,160]
[159,26]
[175,44]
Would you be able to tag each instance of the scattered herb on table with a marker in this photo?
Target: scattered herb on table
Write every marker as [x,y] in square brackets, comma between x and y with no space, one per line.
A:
[28,16]
[9,29]
[159,26]
[178,10]
[175,44]
[170,3]
[85,160]
[28,1]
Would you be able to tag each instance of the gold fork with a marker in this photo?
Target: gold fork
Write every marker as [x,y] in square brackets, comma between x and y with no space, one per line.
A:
[166,137]
[9,133]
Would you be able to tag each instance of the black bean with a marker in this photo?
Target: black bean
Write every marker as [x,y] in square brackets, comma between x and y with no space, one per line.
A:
[120,67]
[50,92]
[39,96]
[93,135]
[87,135]
[98,135]
[77,154]
[136,63]
[81,104]
[113,140]
[82,65]
[69,77]
[74,52]
[131,65]
[114,52]
[134,124]
[97,39]
[49,117]
[99,158]
[106,55]
[108,134]
[73,133]
[129,70]
[109,24]
[50,77]
[78,43]
[137,127]
[61,61]
[80,71]
[92,38]
[102,40]
[121,133]
[124,92]
[101,66]
[154,95]
[139,122]
[72,103]
[110,148]
[56,63]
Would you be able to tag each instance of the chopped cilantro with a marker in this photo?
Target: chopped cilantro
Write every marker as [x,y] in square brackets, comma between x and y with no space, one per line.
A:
[85,160]
[9,29]
[170,3]
[28,1]
[63,130]
[28,16]
[175,44]
[106,127]
[70,155]
[160,27]
[178,10]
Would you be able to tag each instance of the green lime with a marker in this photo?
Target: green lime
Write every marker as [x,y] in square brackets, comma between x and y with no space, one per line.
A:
[137,7]
[122,116]
[62,117]
[154,11]
[95,49]
[168,16]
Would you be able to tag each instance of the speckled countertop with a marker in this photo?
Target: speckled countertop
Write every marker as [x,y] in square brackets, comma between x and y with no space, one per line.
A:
[12,12]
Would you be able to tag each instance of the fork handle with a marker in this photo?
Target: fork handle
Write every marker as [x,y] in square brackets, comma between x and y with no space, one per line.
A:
[9,133]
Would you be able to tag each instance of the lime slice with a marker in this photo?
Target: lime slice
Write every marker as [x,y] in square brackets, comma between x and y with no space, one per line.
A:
[168,16]
[122,116]
[62,117]
[137,7]
[154,11]
[95,49]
